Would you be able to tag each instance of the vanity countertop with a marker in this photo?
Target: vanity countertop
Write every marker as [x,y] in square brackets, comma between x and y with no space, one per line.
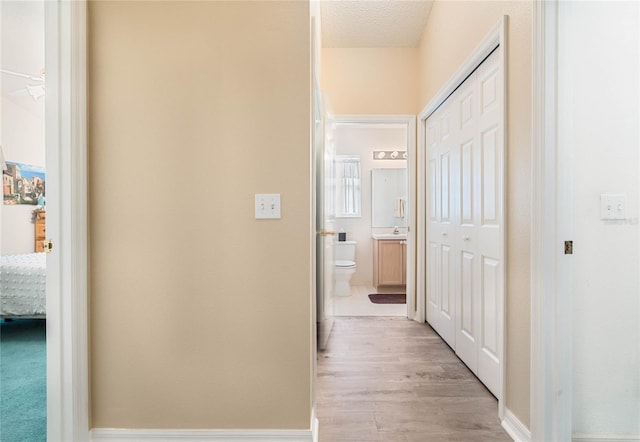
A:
[389,235]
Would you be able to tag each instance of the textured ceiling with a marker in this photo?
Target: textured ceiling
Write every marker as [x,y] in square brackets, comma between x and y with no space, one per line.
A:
[373,23]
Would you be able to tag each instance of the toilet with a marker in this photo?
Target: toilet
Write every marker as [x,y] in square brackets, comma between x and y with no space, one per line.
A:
[345,267]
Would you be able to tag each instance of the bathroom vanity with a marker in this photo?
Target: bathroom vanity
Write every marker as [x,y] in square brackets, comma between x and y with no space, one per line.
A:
[389,260]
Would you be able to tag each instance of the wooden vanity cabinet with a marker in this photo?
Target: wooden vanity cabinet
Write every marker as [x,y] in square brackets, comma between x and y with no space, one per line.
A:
[40,219]
[389,262]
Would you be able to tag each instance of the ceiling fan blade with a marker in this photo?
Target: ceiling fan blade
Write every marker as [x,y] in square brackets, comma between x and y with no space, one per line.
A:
[27,76]
[19,93]
[35,92]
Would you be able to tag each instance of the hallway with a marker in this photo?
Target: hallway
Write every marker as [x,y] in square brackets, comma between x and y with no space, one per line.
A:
[394,380]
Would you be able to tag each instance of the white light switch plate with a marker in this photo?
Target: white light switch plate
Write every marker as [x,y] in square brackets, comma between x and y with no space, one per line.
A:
[613,206]
[268,206]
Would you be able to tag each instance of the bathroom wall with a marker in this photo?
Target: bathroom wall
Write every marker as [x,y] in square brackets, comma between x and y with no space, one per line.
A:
[363,140]
[22,119]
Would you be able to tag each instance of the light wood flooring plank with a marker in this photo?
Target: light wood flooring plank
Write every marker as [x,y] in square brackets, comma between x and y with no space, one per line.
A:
[392,379]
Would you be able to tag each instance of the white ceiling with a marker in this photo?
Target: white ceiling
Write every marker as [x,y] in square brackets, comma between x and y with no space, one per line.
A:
[373,23]
[22,35]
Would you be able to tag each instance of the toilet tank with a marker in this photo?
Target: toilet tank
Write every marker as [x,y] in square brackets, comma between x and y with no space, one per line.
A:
[345,251]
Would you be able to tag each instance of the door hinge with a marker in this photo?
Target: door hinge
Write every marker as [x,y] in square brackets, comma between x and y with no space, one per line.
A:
[568,247]
[47,245]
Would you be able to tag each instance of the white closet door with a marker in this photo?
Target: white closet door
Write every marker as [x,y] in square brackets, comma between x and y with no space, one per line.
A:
[490,223]
[465,101]
[433,220]
[441,250]
[465,298]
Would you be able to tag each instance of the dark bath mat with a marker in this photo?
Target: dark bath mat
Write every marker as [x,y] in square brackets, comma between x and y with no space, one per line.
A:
[388,298]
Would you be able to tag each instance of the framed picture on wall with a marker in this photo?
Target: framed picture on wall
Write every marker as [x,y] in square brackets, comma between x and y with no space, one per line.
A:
[23,184]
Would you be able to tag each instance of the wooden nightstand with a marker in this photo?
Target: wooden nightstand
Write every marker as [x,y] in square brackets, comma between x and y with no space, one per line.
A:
[40,219]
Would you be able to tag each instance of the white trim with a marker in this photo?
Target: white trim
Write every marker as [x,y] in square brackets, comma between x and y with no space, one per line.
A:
[421,221]
[514,428]
[65,120]
[140,435]
[410,122]
[315,425]
[551,407]
[606,438]
[412,311]
[497,37]
[537,410]
[175,435]
[501,30]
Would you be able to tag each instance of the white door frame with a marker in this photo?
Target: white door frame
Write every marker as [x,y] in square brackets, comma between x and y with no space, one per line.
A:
[410,122]
[497,37]
[550,312]
[66,151]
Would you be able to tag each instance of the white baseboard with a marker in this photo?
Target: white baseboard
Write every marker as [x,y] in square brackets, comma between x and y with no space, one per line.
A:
[127,435]
[516,429]
[315,425]
[155,435]
[578,437]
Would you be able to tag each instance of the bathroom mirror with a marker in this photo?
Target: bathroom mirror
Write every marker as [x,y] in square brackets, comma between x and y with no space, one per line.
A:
[389,198]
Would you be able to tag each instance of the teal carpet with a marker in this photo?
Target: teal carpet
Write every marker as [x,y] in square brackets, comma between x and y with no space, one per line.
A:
[23,381]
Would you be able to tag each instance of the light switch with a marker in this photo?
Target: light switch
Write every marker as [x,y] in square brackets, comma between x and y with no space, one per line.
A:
[613,206]
[268,206]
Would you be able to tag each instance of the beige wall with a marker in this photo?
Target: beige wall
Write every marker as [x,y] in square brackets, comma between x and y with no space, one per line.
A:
[200,315]
[454,29]
[370,80]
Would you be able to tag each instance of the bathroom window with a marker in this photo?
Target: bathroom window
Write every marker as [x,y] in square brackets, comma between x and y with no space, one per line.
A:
[348,187]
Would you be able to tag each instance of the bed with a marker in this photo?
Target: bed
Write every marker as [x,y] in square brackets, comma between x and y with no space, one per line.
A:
[22,285]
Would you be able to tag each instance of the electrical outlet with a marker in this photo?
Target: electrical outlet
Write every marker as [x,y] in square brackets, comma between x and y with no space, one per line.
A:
[613,206]
[267,206]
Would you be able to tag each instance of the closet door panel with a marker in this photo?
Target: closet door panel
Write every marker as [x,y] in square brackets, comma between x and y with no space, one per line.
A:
[433,283]
[491,225]
[488,358]
[434,203]
[466,183]
[489,192]
[447,290]
[446,228]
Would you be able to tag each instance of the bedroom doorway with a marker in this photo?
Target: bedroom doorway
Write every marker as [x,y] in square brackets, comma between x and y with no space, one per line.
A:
[23,343]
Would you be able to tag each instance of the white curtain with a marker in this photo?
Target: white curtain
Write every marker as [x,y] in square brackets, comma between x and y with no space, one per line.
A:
[349,192]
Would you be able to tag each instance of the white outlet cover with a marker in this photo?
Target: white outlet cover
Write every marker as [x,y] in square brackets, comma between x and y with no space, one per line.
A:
[613,206]
[267,206]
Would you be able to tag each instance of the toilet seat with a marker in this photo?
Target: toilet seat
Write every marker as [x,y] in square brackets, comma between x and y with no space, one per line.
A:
[345,264]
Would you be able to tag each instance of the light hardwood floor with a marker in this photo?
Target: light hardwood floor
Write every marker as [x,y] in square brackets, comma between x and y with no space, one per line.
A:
[392,379]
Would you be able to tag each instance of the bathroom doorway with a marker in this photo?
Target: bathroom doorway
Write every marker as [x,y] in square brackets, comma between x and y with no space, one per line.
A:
[374,182]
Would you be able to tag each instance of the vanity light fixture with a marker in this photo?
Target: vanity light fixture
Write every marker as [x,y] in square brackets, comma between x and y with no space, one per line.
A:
[389,154]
